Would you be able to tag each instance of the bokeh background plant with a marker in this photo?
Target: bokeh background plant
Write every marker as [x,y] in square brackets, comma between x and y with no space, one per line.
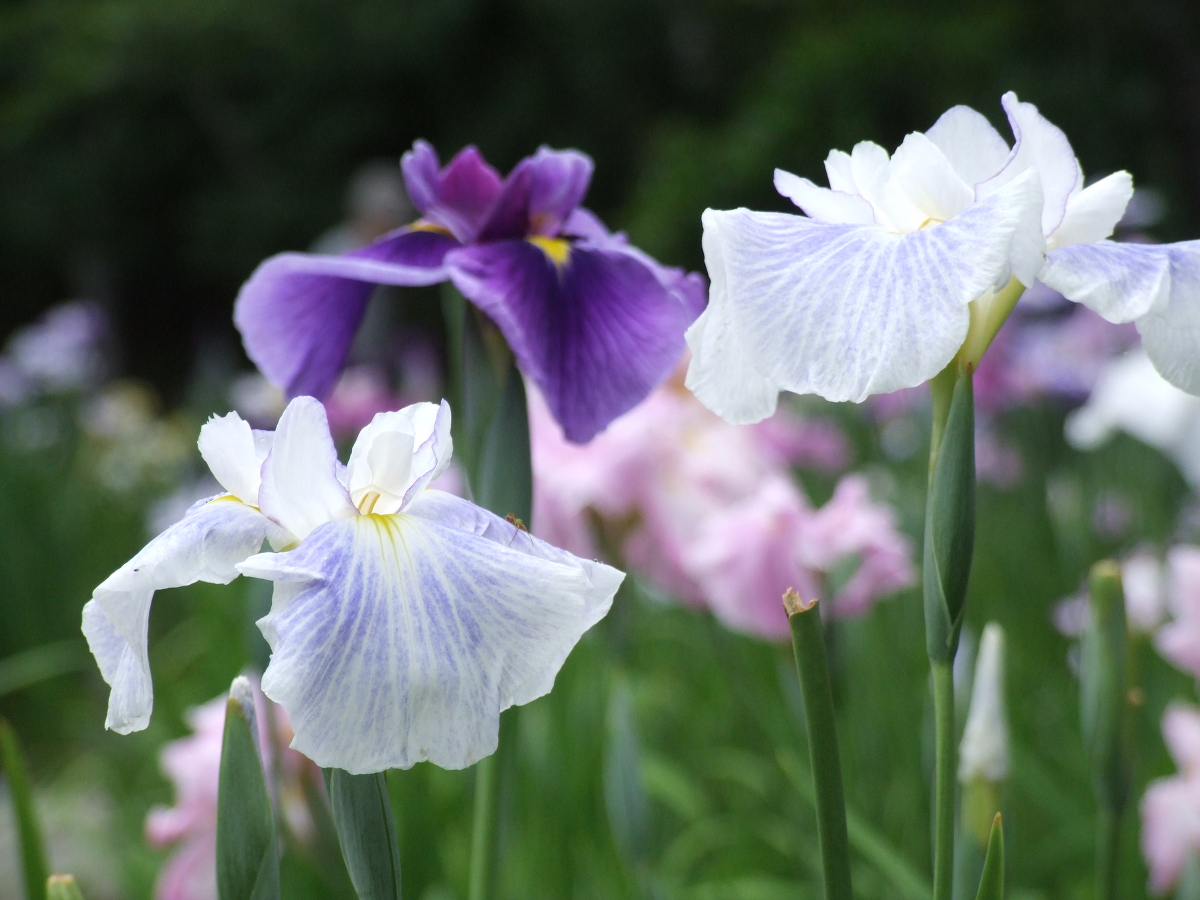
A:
[154,152]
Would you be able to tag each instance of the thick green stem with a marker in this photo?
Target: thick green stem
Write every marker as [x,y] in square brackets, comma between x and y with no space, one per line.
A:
[483,837]
[945,781]
[1108,841]
[808,644]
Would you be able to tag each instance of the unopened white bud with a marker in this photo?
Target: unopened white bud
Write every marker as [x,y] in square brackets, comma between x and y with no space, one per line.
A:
[983,754]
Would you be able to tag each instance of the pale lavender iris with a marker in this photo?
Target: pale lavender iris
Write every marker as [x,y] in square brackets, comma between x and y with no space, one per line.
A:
[593,321]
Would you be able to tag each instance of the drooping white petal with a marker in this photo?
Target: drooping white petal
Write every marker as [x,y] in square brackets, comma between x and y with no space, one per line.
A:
[401,638]
[206,545]
[398,454]
[1043,147]
[928,181]
[234,454]
[300,487]
[1119,281]
[1094,212]
[1171,333]
[722,373]
[822,204]
[845,311]
[974,148]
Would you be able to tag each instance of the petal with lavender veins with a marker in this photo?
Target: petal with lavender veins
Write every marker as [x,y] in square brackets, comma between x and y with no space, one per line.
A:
[822,204]
[596,331]
[206,545]
[398,639]
[1171,333]
[848,311]
[298,312]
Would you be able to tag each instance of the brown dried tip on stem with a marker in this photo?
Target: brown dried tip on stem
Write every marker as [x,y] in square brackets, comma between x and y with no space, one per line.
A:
[792,603]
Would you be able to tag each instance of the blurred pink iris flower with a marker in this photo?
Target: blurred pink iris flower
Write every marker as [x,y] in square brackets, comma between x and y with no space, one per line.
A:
[193,765]
[709,513]
[1171,806]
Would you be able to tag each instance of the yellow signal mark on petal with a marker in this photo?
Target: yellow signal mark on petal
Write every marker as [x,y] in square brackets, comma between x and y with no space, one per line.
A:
[422,225]
[557,249]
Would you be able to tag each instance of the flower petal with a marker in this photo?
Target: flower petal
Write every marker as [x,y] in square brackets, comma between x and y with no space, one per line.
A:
[234,454]
[1171,333]
[1119,281]
[822,204]
[539,195]
[298,312]
[205,545]
[401,638]
[925,177]
[1094,212]
[457,197]
[974,148]
[376,466]
[1043,147]
[300,485]
[596,333]
[847,311]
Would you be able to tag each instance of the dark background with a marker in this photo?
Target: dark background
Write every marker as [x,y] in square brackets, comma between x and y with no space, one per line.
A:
[152,152]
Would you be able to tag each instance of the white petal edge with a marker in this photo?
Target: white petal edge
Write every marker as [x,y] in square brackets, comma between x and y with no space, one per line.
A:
[429,452]
[1121,282]
[206,545]
[974,148]
[300,485]
[1094,212]
[1171,332]
[721,373]
[848,311]
[823,204]
[228,446]
[401,638]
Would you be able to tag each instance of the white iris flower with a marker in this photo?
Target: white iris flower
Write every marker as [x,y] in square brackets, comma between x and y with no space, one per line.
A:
[905,262]
[404,619]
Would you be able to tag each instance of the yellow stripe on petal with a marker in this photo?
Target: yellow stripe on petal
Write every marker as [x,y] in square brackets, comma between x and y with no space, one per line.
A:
[423,225]
[557,249]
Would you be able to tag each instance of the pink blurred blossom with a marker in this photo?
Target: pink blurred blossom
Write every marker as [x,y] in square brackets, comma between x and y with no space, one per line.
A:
[359,393]
[193,765]
[710,514]
[1179,639]
[1171,806]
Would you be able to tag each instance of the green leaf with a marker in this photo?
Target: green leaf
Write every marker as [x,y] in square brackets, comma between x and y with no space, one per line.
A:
[33,856]
[62,887]
[247,848]
[949,512]
[991,883]
[362,813]
[624,795]
[1104,684]
[504,481]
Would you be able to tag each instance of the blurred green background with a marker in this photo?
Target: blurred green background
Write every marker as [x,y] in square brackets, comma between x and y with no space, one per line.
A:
[152,152]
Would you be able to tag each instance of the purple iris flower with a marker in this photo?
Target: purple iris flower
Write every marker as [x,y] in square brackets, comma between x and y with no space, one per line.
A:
[592,320]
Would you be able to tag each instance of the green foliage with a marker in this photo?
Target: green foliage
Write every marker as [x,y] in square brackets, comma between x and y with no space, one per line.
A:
[362,813]
[29,834]
[247,846]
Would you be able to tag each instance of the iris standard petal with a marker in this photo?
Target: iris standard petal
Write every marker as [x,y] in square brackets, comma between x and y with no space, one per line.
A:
[457,197]
[298,312]
[398,639]
[300,485]
[823,204]
[974,148]
[721,373]
[1094,212]
[595,328]
[205,545]
[227,445]
[559,182]
[927,179]
[398,454]
[847,311]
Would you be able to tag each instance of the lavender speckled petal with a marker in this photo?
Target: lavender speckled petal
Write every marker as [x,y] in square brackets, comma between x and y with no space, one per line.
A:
[457,197]
[1171,332]
[1121,282]
[843,311]
[205,545]
[401,638]
[298,312]
[596,333]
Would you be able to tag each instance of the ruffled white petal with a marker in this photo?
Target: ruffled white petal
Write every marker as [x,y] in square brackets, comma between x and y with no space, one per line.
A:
[401,638]
[234,454]
[721,372]
[1043,147]
[206,545]
[1171,333]
[300,486]
[398,454]
[974,148]
[845,311]
[1119,281]
[928,180]
[1094,212]
[823,204]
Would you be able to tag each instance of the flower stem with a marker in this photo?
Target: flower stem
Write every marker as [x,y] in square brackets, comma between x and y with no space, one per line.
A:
[808,643]
[1108,842]
[945,781]
[483,837]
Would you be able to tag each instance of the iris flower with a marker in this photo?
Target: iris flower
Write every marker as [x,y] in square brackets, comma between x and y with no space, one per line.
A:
[905,262]
[593,321]
[404,619]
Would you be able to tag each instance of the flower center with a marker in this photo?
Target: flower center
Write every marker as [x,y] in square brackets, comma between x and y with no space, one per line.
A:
[557,249]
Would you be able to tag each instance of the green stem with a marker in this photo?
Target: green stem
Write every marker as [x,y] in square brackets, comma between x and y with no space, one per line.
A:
[945,781]
[483,837]
[1108,841]
[808,644]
